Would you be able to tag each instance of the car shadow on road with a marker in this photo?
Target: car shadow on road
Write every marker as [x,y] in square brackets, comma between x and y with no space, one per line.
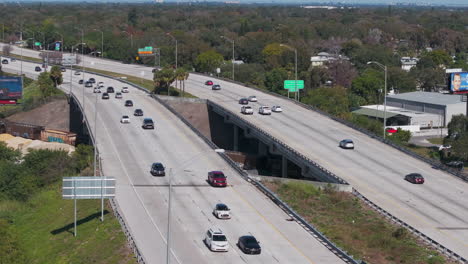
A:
[69,228]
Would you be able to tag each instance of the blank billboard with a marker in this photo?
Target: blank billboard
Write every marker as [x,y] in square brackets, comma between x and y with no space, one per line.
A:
[459,82]
[10,88]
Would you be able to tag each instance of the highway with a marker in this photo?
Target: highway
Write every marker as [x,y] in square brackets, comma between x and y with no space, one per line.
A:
[127,152]
[438,208]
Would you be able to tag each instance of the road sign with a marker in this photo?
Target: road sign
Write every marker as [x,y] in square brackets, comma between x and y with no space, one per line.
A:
[292,86]
[146,51]
[88,187]
[57,45]
[37,43]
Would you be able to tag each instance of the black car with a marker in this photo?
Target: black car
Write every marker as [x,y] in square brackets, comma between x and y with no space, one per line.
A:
[110,89]
[216,87]
[157,169]
[148,123]
[80,81]
[38,69]
[88,84]
[243,101]
[128,103]
[415,178]
[138,112]
[5,61]
[249,245]
[63,69]
[105,96]
[92,80]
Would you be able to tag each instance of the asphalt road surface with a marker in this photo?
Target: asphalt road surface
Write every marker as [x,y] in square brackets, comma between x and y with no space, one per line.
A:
[127,152]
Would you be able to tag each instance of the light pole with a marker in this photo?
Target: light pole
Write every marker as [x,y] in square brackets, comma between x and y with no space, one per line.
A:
[131,37]
[383,67]
[170,35]
[102,42]
[232,41]
[183,165]
[295,68]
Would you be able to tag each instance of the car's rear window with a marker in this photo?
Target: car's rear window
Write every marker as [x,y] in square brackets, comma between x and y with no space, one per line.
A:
[219,238]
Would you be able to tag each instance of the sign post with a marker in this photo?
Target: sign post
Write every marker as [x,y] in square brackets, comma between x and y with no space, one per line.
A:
[88,188]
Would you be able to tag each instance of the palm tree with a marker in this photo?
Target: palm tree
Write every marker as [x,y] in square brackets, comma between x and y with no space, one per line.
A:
[181,75]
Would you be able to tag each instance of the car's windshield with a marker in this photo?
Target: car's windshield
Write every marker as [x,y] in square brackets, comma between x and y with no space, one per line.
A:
[250,241]
[219,175]
[219,238]
[222,207]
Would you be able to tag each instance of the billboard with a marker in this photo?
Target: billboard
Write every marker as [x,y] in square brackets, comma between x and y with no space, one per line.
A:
[459,82]
[11,88]
[68,59]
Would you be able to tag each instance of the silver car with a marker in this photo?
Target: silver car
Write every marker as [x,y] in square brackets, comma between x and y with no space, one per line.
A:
[347,144]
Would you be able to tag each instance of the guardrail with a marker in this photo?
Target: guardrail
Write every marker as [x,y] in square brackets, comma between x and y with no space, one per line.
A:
[432,162]
[284,206]
[113,202]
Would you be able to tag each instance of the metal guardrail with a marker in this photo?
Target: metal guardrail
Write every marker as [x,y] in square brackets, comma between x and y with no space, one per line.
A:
[431,162]
[113,202]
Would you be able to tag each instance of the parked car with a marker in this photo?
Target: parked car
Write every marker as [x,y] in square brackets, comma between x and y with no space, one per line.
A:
[4,61]
[148,123]
[455,164]
[247,110]
[252,98]
[209,82]
[105,96]
[216,87]
[118,95]
[243,101]
[92,80]
[80,81]
[157,169]
[125,90]
[249,245]
[110,89]
[222,211]
[88,84]
[96,90]
[276,109]
[347,144]
[38,69]
[216,240]
[264,110]
[125,119]
[217,179]
[128,103]
[138,112]
[415,178]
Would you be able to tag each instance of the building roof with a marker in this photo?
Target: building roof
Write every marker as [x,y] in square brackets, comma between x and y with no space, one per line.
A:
[377,111]
[428,98]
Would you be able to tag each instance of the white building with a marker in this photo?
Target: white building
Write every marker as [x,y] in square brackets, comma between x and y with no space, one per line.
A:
[324,57]
[407,63]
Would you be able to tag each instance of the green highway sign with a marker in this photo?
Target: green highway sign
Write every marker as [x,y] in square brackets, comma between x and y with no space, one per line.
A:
[37,43]
[292,86]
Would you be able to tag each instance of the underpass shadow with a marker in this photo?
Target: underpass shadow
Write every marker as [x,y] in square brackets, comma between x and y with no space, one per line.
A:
[78,222]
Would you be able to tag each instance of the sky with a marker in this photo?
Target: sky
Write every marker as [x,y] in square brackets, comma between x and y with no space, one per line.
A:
[348,2]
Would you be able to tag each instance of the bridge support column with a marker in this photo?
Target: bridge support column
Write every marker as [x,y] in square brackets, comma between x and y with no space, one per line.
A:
[284,167]
[236,138]
[262,148]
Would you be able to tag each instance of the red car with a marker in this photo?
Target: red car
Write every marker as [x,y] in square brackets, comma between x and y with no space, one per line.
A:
[209,82]
[217,178]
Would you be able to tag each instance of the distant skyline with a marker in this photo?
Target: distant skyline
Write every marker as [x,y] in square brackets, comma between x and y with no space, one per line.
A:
[463,3]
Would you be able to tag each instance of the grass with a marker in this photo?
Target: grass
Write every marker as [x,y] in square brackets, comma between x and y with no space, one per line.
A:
[44,228]
[354,227]
[437,141]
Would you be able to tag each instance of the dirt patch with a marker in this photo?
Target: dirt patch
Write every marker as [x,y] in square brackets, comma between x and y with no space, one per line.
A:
[53,115]
[195,113]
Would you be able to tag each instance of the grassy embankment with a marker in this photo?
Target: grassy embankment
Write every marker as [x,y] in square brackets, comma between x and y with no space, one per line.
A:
[354,227]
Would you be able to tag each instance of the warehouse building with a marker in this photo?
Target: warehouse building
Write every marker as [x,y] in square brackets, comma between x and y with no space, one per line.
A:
[423,109]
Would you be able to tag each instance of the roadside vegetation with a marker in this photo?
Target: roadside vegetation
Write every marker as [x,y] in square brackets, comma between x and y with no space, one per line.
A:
[36,224]
[355,227]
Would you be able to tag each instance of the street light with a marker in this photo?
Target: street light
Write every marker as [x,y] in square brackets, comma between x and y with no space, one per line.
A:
[131,37]
[295,68]
[383,67]
[183,164]
[170,35]
[102,42]
[232,41]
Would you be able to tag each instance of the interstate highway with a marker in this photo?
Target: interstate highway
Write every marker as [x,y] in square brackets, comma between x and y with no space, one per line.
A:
[127,152]
[438,208]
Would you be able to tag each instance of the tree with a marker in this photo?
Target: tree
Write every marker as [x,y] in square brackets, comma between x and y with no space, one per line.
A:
[181,75]
[208,61]
[341,72]
[458,126]
[368,85]
[274,79]
[401,136]
[333,100]
[56,75]
[46,85]
[163,79]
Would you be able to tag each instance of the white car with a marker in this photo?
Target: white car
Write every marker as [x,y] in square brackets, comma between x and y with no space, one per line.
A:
[125,90]
[96,90]
[222,211]
[264,110]
[125,119]
[276,109]
[252,98]
[247,110]
[216,240]
[347,144]
[118,95]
